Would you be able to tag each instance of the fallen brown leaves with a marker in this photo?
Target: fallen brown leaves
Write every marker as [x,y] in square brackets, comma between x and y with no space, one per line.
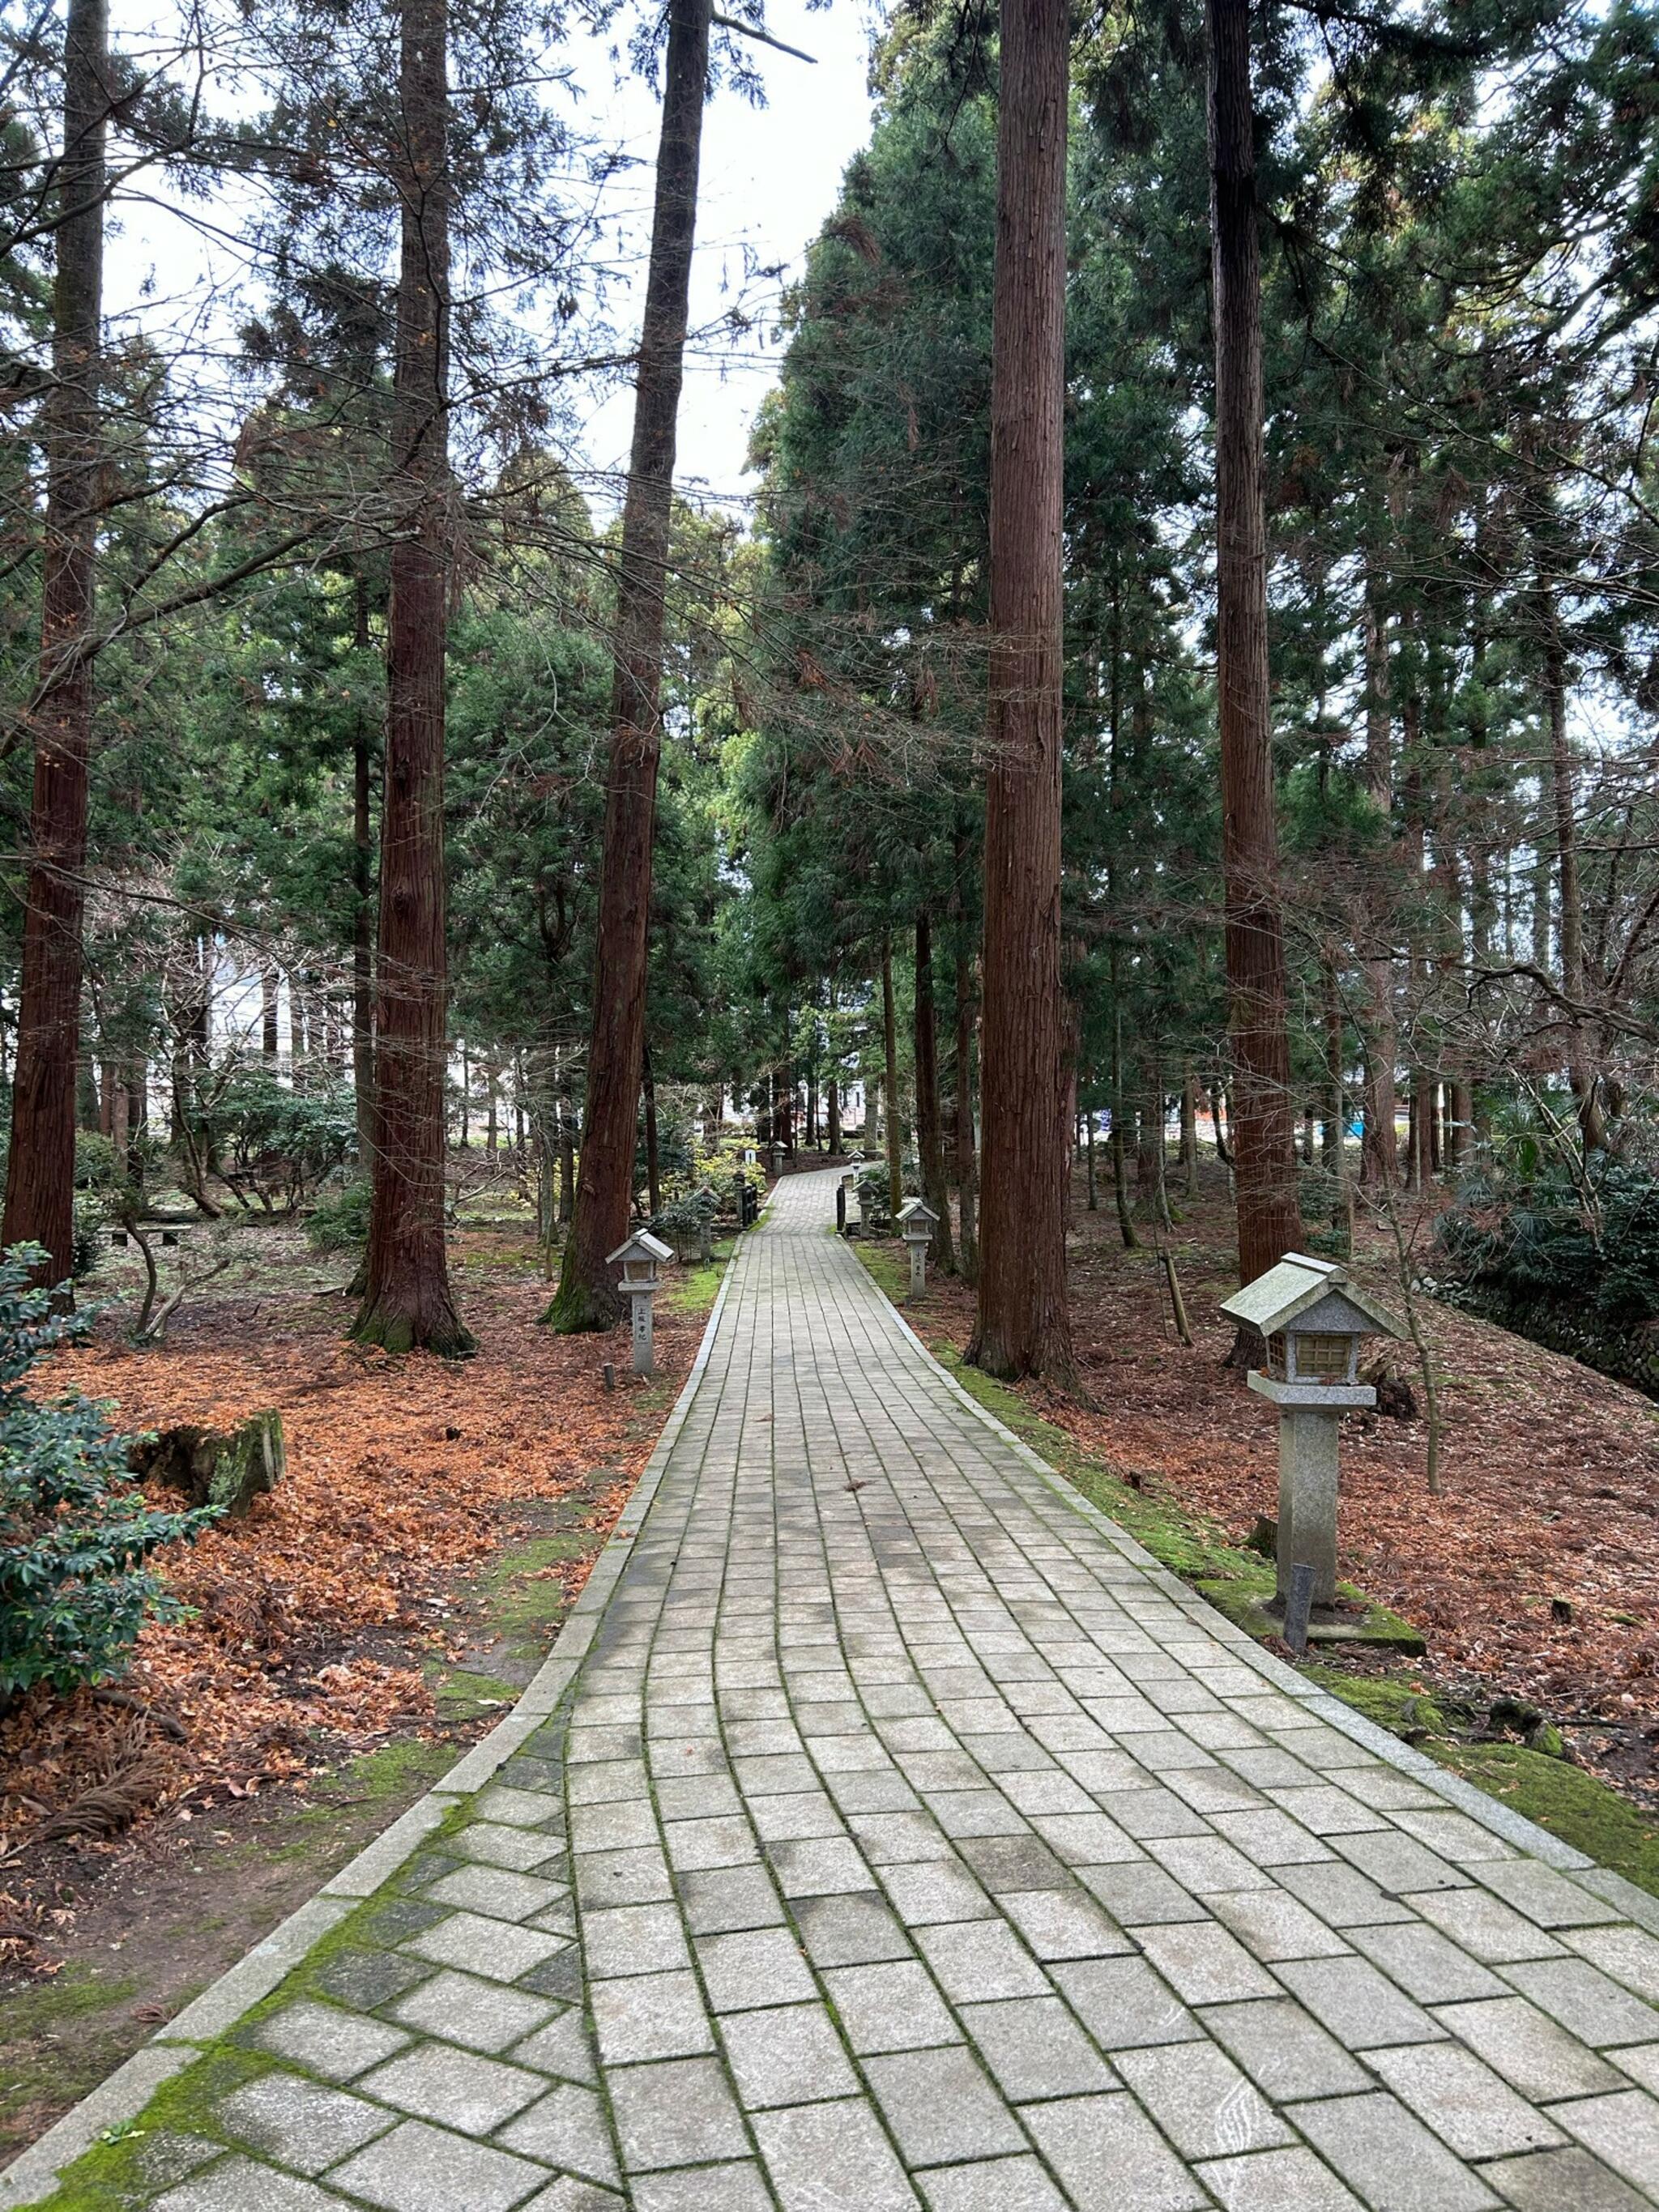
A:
[312,1616]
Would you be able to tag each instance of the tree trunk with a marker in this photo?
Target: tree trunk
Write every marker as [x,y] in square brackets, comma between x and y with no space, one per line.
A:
[652,1156]
[407,1303]
[891,1129]
[967,1161]
[1581,1073]
[587,1297]
[268,995]
[1378,1156]
[1333,1154]
[1264,1170]
[1023,1326]
[566,1150]
[1119,1122]
[832,1112]
[930,1142]
[1189,1132]
[363,921]
[39,1207]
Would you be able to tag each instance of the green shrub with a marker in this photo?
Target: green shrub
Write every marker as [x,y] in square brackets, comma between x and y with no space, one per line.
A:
[75,1529]
[1588,1241]
[339,1222]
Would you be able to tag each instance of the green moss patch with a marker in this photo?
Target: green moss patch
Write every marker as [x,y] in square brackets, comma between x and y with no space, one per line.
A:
[1582,1811]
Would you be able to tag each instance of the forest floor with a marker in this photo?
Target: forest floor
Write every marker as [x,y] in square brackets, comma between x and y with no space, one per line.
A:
[1533,1576]
[345,1641]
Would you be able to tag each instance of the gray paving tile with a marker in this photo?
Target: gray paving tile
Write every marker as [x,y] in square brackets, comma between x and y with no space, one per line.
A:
[417,2169]
[1284,2049]
[1389,2157]
[1202,2100]
[1469,2107]
[1622,2130]
[892,2007]
[1034,2048]
[976,1959]
[821,2156]
[851,1930]
[237,2184]
[1586,2001]
[299,2123]
[678,2113]
[1528,2048]
[992,2185]
[457,2088]
[942,2107]
[1359,2007]
[1108,2155]
[735,2187]
[1123,2004]
[1562,2181]
[335,2044]
[640,2016]
[495,1948]
[462,2008]
[567,2128]
[1276,2181]
[786,2055]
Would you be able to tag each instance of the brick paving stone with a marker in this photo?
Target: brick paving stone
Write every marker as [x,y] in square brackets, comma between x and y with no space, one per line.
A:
[496,1948]
[786,2055]
[237,2184]
[419,2168]
[1276,2181]
[942,2107]
[992,2185]
[1203,1964]
[457,2088]
[1562,2181]
[1389,2157]
[299,2123]
[977,1959]
[678,2113]
[1034,2048]
[481,2014]
[1202,2100]
[335,2044]
[1528,2048]
[639,2016]
[1468,2107]
[892,2007]
[826,2155]
[1360,2008]
[1585,2001]
[1622,2130]
[1109,2155]
[1284,2049]
[736,2186]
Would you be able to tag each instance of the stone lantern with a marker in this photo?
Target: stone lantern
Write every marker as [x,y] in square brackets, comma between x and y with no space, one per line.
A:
[1313,1320]
[640,1260]
[847,1181]
[916,1222]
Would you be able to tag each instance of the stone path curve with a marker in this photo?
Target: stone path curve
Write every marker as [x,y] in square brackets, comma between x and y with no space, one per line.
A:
[908,1839]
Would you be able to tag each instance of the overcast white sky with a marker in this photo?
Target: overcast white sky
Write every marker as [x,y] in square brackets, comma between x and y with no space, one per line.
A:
[770,176]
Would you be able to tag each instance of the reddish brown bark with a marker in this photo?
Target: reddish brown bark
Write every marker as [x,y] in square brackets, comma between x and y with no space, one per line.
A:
[1378,1149]
[39,1204]
[362,915]
[587,1297]
[408,1302]
[967,1164]
[1262,1127]
[1022,1326]
[930,1136]
[892,1128]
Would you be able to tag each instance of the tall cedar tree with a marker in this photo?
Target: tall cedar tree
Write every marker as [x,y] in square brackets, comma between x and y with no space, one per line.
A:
[587,1297]
[1022,1327]
[1262,1120]
[408,1302]
[40,1173]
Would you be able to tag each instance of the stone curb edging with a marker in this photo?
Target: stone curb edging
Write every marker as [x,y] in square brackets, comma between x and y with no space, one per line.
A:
[1511,1827]
[121,2096]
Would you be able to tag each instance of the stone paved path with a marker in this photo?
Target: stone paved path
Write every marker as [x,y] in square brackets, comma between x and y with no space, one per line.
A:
[915,1841]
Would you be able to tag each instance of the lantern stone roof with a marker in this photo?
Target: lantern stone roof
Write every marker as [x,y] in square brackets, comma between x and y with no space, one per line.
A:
[916,1209]
[1314,1295]
[641,1245]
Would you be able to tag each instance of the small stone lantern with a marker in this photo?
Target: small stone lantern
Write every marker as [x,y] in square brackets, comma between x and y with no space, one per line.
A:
[640,1259]
[1312,1319]
[916,1222]
[867,1204]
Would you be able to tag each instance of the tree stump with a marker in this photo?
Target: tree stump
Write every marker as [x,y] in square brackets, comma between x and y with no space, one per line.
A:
[226,1468]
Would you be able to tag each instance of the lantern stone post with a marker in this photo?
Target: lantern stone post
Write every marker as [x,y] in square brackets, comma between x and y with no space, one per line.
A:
[640,1259]
[1312,1320]
[916,1224]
